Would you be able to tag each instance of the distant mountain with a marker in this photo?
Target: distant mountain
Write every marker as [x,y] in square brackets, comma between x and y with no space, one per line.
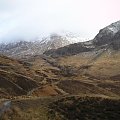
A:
[71,49]
[106,38]
[24,49]
[107,34]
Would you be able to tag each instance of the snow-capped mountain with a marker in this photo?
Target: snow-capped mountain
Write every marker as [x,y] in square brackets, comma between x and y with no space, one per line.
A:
[106,34]
[108,38]
[23,49]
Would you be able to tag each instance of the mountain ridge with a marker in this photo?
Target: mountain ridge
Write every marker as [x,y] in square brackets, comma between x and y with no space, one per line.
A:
[106,38]
[23,49]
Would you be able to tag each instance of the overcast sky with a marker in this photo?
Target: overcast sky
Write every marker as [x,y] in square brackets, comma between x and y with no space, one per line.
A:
[27,19]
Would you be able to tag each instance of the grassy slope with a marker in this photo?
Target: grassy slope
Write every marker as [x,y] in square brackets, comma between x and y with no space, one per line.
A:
[29,109]
[97,78]
[64,108]
[102,72]
[85,73]
[14,77]
[86,108]
[95,75]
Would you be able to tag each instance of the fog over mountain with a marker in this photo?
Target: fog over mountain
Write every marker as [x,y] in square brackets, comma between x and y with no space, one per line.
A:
[28,19]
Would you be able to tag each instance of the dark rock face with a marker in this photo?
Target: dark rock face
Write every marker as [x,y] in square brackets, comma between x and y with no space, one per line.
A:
[103,37]
[70,49]
[106,35]
[116,41]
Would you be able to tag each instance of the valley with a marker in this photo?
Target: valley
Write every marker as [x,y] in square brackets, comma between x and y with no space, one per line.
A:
[73,82]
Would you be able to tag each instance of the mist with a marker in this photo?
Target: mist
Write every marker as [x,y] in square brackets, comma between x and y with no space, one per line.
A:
[30,19]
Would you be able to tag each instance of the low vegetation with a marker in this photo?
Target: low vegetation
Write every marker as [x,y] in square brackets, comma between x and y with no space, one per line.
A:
[85,108]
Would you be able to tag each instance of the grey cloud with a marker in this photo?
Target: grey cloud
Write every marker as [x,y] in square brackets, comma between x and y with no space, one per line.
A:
[27,19]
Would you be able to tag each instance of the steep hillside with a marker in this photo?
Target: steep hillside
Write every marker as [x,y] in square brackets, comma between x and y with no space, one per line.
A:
[14,78]
[85,108]
[106,34]
[64,108]
[71,49]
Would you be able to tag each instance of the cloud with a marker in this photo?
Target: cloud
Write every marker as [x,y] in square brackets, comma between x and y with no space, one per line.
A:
[27,19]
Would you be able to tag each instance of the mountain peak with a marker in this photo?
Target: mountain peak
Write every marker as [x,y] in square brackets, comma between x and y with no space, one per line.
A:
[106,35]
[36,47]
[114,27]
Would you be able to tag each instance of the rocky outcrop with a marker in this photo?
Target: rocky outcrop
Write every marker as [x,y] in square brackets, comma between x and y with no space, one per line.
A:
[106,35]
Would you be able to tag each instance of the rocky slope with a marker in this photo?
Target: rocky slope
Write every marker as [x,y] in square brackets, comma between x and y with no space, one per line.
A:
[25,49]
[108,37]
